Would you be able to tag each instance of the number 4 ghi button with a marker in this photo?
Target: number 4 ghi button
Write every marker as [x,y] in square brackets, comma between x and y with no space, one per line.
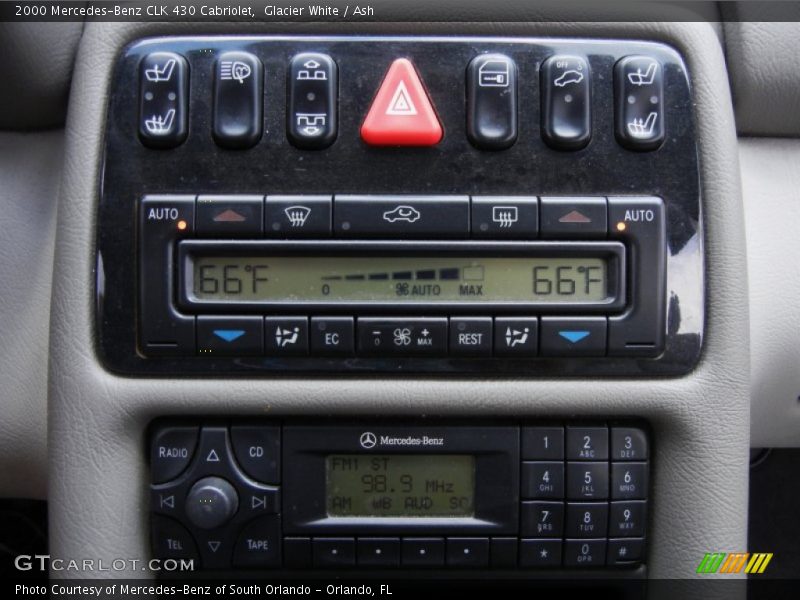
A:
[401,113]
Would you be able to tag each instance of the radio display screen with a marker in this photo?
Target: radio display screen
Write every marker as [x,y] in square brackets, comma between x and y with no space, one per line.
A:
[400,485]
[393,279]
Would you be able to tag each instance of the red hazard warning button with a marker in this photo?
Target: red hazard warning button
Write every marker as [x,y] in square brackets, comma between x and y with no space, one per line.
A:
[402,113]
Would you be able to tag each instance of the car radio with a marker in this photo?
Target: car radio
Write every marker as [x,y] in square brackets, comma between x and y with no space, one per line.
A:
[330,204]
[274,495]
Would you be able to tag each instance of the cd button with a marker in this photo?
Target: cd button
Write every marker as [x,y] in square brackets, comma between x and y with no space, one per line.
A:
[258,451]
[298,216]
[503,217]
[229,215]
[286,336]
[471,336]
[402,337]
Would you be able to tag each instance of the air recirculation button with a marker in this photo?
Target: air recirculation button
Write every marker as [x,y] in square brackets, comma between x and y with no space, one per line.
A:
[211,502]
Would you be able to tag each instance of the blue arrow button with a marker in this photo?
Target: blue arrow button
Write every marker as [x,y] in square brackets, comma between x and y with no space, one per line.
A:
[229,335]
[574,337]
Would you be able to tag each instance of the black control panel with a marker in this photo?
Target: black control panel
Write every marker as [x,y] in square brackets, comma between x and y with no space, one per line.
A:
[330,205]
[270,495]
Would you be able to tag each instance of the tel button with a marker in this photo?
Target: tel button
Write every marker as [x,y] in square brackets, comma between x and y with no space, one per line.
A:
[171,539]
[332,335]
[471,336]
[257,450]
[172,450]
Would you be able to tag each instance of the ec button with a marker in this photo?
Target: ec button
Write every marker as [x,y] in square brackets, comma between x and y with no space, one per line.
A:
[332,335]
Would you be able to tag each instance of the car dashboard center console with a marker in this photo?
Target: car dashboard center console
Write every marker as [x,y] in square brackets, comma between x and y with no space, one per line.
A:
[365,205]
[439,205]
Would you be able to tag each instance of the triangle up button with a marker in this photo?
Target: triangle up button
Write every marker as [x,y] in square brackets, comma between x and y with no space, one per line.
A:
[401,113]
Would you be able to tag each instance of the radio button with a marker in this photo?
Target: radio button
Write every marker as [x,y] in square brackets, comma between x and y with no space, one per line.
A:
[298,216]
[587,443]
[587,481]
[334,552]
[587,519]
[258,451]
[423,552]
[402,337]
[401,216]
[332,336]
[542,480]
[467,552]
[626,519]
[286,336]
[226,336]
[471,336]
[259,544]
[625,552]
[511,217]
[584,553]
[572,336]
[238,100]
[540,553]
[378,552]
[628,481]
[229,216]
[171,452]
[573,218]
[542,519]
[516,337]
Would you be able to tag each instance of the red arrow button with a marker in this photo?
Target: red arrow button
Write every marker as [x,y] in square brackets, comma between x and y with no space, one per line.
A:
[402,113]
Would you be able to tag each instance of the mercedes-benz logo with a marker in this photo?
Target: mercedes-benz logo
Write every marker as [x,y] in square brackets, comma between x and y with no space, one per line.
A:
[368,440]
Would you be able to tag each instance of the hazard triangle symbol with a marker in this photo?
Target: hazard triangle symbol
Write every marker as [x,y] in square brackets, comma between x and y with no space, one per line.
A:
[401,113]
